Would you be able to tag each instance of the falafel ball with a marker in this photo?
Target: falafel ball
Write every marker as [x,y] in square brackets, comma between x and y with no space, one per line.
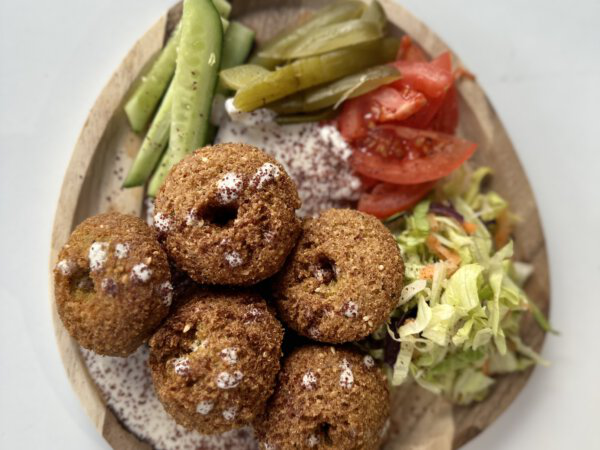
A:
[112,284]
[326,397]
[215,360]
[227,215]
[342,280]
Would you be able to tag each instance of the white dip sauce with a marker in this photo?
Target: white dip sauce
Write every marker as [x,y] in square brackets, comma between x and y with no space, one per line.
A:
[315,156]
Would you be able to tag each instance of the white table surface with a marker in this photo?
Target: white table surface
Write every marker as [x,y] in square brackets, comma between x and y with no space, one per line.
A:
[539,62]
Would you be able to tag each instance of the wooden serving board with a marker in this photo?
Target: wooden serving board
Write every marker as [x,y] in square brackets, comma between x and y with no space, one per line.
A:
[106,147]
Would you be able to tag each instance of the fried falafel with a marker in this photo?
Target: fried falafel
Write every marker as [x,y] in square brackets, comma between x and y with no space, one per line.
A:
[215,360]
[112,284]
[343,279]
[227,216]
[326,397]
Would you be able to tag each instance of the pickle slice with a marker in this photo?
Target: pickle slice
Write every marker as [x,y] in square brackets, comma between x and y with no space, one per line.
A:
[332,37]
[331,94]
[239,76]
[308,72]
[335,13]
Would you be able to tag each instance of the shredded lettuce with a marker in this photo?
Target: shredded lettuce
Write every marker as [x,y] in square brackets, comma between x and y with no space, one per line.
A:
[457,322]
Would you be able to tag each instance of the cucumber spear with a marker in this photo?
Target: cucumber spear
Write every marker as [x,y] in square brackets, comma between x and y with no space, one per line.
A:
[194,82]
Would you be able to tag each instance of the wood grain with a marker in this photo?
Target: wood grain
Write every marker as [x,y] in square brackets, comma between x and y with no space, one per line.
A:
[105,149]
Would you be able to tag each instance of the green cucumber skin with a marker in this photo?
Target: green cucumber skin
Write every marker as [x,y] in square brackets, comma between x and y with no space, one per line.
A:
[223,7]
[154,144]
[194,82]
[143,102]
[237,44]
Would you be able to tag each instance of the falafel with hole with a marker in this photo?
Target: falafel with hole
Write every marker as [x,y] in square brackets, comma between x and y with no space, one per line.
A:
[226,214]
[215,360]
[343,279]
[326,397]
[112,284]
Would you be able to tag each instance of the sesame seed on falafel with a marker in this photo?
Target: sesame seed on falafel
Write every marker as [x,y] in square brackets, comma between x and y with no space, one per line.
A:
[326,397]
[215,360]
[112,284]
[342,280]
[227,215]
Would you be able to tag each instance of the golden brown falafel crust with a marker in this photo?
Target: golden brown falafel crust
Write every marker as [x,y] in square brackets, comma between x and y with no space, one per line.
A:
[342,280]
[215,360]
[112,284]
[326,397]
[227,214]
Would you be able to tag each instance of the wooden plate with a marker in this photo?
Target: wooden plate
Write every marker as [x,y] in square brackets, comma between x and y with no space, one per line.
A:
[105,149]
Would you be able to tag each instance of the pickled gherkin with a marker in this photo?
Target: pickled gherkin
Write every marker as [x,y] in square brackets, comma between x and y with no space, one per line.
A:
[317,116]
[308,72]
[332,37]
[374,13]
[335,13]
[331,94]
[239,76]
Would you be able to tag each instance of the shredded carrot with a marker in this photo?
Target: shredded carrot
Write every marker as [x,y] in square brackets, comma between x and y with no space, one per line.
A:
[503,229]
[452,259]
[469,227]
[426,272]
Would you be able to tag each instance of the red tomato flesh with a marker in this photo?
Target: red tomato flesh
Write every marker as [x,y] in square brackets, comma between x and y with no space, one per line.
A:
[409,51]
[446,118]
[386,199]
[385,104]
[424,77]
[401,155]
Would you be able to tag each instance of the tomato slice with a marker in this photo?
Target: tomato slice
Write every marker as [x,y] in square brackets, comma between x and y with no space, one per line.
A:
[431,78]
[386,199]
[402,155]
[366,183]
[409,51]
[388,104]
[423,118]
[385,104]
[351,120]
[446,119]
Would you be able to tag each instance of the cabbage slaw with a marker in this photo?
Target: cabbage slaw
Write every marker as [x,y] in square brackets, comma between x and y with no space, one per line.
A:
[456,324]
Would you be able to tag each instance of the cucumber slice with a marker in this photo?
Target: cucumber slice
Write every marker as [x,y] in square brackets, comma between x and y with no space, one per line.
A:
[144,100]
[153,145]
[237,44]
[223,7]
[196,72]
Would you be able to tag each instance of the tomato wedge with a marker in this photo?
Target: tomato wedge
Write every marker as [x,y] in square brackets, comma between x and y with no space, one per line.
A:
[386,199]
[402,155]
[409,51]
[385,104]
[446,118]
[351,121]
[431,78]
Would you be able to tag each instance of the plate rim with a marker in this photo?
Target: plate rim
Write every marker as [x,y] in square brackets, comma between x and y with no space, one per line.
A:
[110,97]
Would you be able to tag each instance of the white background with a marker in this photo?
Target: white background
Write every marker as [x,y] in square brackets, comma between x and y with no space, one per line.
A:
[539,62]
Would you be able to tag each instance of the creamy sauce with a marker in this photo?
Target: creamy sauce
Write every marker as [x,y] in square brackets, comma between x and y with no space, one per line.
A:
[315,156]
